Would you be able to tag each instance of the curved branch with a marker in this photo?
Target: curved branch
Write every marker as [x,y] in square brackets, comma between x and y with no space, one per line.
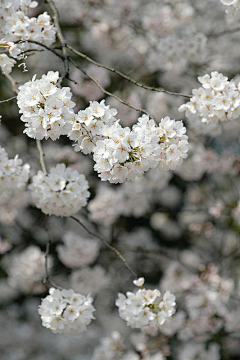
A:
[108,245]
[126,77]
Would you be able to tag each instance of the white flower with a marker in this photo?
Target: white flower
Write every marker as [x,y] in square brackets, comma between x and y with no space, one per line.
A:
[27,270]
[77,251]
[139,282]
[90,280]
[122,154]
[144,310]
[13,175]
[64,311]
[47,110]
[62,192]
[216,101]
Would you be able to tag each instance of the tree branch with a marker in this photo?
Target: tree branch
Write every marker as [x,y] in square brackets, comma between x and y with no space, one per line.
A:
[41,157]
[48,278]
[108,245]
[123,75]
[60,37]
[7,100]
[107,92]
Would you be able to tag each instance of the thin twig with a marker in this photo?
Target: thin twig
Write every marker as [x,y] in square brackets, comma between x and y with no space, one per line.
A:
[108,245]
[41,157]
[224,32]
[60,37]
[48,278]
[7,100]
[123,75]
[107,92]
[40,44]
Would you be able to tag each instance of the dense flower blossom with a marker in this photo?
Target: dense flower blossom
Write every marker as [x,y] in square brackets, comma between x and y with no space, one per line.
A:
[15,25]
[64,311]
[77,251]
[13,175]
[27,270]
[144,309]
[62,192]
[46,109]
[6,62]
[123,154]
[216,100]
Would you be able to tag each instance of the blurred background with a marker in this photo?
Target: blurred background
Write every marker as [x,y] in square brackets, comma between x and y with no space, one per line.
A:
[178,229]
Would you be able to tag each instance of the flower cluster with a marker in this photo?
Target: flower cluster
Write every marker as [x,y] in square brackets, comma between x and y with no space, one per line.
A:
[64,311]
[110,348]
[173,50]
[62,192]
[13,175]
[124,154]
[77,251]
[144,310]
[26,270]
[97,119]
[216,100]
[133,198]
[15,25]
[6,62]
[90,280]
[114,347]
[47,110]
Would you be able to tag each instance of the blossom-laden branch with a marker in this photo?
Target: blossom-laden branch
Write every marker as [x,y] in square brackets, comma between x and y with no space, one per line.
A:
[109,93]
[65,45]
[121,257]
[126,77]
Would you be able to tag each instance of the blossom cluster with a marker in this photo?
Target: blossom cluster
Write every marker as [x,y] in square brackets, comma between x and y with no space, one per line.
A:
[204,297]
[190,47]
[15,26]
[216,100]
[27,270]
[144,309]
[114,347]
[13,175]
[77,251]
[90,280]
[62,192]
[46,109]
[133,198]
[124,154]
[64,311]
[6,62]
